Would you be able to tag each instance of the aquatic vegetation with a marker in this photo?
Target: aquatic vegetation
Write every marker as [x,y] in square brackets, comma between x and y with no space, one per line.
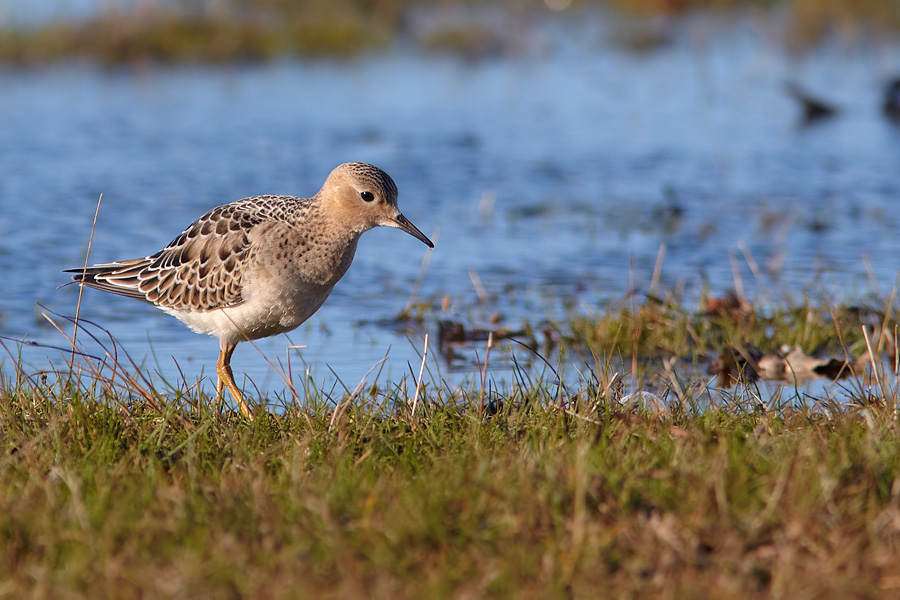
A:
[159,36]
[725,336]
[255,30]
[656,327]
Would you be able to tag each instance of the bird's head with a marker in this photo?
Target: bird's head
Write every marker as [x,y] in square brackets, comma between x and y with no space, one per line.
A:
[363,196]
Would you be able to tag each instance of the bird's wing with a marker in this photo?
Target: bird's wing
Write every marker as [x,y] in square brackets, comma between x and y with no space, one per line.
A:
[201,269]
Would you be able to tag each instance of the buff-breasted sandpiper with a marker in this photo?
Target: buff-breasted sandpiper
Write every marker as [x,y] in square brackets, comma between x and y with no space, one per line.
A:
[259,266]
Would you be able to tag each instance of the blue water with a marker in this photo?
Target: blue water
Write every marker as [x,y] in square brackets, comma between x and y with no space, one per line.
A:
[554,176]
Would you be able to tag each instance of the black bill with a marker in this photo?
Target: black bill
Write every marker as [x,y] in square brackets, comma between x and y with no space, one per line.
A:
[404,224]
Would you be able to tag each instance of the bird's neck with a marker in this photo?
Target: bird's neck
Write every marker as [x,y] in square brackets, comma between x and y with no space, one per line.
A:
[326,257]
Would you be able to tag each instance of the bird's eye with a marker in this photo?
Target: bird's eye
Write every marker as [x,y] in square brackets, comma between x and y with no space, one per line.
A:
[367,196]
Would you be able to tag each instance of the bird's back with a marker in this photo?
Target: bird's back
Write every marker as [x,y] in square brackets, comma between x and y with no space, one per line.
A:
[203,267]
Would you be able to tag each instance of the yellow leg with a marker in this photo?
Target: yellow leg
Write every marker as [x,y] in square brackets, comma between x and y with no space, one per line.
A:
[226,379]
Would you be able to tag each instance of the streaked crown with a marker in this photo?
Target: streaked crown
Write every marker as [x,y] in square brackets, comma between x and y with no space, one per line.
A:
[373,177]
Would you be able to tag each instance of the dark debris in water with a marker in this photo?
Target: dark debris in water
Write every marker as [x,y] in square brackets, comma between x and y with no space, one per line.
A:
[730,306]
[453,336]
[891,103]
[790,364]
[813,109]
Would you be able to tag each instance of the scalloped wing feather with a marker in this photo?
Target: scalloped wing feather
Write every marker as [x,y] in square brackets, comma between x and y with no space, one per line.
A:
[200,269]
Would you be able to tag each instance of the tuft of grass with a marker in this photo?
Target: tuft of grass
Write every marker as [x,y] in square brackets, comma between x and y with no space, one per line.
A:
[664,327]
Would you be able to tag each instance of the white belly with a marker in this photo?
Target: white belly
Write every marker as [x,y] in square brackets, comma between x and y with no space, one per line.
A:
[269,311]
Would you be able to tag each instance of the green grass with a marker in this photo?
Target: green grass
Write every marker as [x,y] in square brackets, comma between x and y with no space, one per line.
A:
[106,493]
[524,490]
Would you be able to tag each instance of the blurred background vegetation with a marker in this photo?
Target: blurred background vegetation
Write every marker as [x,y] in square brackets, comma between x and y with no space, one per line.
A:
[259,30]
